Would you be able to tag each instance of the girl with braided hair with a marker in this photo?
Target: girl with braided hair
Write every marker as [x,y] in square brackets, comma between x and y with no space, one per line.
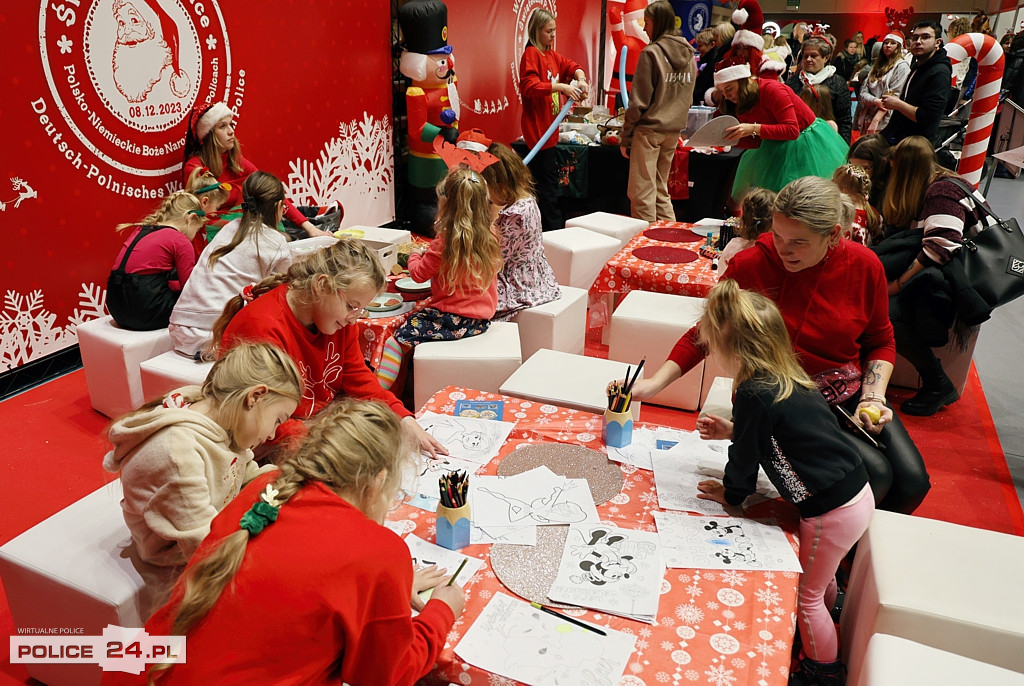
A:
[299,582]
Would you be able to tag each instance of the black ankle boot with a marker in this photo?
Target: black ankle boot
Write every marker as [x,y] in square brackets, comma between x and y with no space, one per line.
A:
[933,396]
[817,674]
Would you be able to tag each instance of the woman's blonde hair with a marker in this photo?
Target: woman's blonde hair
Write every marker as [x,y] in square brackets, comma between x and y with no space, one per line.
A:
[352,445]
[662,18]
[261,193]
[338,267]
[748,327]
[912,170]
[173,208]
[538,20]
[757,213]
[812,201]
[855,182]
[471,256]
[724,33]
[235,374]
[201,178]
[884,64]
[819,99]
[706,37]
[508,179]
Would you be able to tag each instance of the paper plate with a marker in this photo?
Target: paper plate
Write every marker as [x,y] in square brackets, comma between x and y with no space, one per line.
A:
[407,284]
[710,135]
[385,303]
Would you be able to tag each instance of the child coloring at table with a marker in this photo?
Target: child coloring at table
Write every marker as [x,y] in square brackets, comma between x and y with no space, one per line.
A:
[154,263]
[855,182]
[284,590]
[462,264]
[246,250]
[183,457]
[782,423]
[310,312]
[755,219]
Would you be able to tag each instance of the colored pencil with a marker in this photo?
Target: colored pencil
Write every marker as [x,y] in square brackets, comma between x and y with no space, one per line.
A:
[568,618]
[464,561]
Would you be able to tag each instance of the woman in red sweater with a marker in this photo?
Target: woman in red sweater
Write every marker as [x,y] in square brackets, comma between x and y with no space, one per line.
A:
[834,298]
[784,140]
[319,592]
[544,76]
[210,142]
[308,312]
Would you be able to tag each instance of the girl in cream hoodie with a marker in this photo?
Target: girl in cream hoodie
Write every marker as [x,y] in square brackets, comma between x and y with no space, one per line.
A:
[182,458]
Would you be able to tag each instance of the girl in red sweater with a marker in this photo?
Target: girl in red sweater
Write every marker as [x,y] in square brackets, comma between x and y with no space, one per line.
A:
[210,142]
[463,263]
[544,76]
[299,582]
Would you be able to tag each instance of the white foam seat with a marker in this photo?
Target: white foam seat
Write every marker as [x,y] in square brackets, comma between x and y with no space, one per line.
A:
[111,357]
[558,325]
[619,227]
[567,380]
[77,569]
[170,370]
[956,364]
[718,400]
[479,362]
[578,255]
[649,324]
[895,661]
[951,587]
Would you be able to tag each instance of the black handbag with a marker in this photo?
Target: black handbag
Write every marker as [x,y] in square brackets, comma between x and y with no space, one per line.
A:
[992,262]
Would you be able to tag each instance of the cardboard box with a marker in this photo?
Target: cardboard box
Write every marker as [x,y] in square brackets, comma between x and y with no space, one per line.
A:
[387,253]
[377,233]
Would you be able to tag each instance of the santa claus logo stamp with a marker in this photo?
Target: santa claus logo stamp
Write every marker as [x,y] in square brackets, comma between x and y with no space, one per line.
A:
[123,74]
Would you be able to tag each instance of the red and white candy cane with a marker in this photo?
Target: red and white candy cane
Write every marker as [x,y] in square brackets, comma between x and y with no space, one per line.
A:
[989,54]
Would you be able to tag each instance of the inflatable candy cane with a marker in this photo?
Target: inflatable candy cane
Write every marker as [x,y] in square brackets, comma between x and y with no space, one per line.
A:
[989,54]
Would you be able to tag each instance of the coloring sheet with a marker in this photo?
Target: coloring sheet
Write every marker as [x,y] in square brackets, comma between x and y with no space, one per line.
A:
[466,438]
[615,570]
[724,543]
[514,640]
[511,535]
[425,554]
[645,441]
[535,497]
[420,480]
[678,470]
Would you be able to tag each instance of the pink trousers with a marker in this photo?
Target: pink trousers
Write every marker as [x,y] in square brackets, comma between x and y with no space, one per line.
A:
[824,542]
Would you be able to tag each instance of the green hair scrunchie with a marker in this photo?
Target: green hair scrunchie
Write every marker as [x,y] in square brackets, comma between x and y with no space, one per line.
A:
[258,517]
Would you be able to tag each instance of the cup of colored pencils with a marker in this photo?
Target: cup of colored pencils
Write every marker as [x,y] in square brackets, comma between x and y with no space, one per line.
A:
[453,521]
[617,429]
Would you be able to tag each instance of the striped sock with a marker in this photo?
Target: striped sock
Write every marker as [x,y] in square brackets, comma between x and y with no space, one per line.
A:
[390,363]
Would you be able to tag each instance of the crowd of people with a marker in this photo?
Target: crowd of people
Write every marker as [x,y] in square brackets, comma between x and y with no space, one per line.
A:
[847,221]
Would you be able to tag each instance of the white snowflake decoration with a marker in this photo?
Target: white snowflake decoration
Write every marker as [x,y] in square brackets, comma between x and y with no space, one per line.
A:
[28,331]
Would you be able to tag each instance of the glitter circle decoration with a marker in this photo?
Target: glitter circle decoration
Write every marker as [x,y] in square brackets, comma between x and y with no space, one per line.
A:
[529,571]
[571,461]
[669,234]
[664,254]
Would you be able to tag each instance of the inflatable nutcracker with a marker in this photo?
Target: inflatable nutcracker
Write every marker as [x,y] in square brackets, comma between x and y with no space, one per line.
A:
[625,22]
[432,100]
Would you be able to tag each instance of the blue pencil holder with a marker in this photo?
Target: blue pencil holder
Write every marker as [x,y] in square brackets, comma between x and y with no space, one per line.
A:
[453,527]
[617,429]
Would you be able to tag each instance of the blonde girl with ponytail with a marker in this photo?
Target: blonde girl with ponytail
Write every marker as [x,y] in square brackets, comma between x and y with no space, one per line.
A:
[299,582]
[782,423]
[246,250]
[183,457]
[462,264]
[309,312]
[154,263]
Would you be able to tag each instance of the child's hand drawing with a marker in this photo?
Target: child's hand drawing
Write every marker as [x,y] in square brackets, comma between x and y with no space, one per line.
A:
[712,490]
[713,428]
[422,579]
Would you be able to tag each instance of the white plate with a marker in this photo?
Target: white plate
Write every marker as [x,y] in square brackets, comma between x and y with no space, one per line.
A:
[385,303]
[407,284]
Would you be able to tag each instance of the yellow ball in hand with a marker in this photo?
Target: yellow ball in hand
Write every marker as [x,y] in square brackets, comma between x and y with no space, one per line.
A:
[872,413]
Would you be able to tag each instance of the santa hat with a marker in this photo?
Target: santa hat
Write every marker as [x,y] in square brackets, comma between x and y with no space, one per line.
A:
[474,140]
[205,117]
[730,70]
[894,36]
[749,16]
[748,38]
[180,83]
[774,59]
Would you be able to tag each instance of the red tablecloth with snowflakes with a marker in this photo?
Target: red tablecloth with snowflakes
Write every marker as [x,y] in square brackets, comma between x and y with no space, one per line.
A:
[717,628]
[625,272]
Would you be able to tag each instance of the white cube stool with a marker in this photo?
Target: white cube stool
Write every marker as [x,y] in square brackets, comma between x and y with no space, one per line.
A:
[649,324]
[558,325]
[111,357]
[951,587]
[617,226]
[718,400]
[578,255]
[894,661]
[480,362]
[568,380]
[169,371]
[713,371]
[956,364]
[76,570]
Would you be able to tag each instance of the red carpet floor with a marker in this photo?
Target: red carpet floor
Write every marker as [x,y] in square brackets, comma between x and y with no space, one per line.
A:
[56,445]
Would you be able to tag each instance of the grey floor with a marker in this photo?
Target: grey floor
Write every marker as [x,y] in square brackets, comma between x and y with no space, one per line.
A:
[999,350]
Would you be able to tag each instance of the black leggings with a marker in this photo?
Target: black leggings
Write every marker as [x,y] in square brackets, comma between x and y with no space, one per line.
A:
[898,477]
[544,168]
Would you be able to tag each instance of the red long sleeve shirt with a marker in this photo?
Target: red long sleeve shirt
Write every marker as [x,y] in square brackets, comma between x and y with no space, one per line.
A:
[446,298]
[331,365]
[780,112]
[537,72]
[836,312]
[157,252]
[236,180]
